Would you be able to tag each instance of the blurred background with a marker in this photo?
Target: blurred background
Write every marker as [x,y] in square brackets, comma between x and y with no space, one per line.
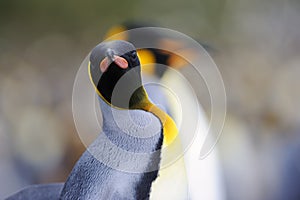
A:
[256,47]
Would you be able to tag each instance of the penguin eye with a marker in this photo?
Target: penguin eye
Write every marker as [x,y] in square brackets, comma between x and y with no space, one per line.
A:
[133,55]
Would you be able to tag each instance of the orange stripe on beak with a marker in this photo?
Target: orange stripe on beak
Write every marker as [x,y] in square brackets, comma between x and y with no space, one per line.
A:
[121,62]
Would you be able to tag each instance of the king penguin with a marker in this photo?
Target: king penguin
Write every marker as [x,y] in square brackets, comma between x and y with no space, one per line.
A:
[124,162]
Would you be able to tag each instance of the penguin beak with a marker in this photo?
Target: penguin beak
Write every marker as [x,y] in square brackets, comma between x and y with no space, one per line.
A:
[110,55]
[110,58]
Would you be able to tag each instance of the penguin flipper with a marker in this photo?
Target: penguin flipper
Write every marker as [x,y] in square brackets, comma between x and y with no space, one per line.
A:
[39,192]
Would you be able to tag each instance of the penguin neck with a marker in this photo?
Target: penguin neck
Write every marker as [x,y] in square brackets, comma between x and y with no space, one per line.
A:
[140,100]
[149,146]
[124,127]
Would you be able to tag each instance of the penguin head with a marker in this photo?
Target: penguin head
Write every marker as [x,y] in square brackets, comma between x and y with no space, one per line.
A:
[115,71]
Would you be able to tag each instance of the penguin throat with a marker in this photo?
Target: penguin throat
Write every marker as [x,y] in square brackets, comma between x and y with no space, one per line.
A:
[118,87]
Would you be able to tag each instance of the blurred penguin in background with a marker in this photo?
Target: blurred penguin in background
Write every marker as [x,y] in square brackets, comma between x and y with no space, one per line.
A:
[167,89]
